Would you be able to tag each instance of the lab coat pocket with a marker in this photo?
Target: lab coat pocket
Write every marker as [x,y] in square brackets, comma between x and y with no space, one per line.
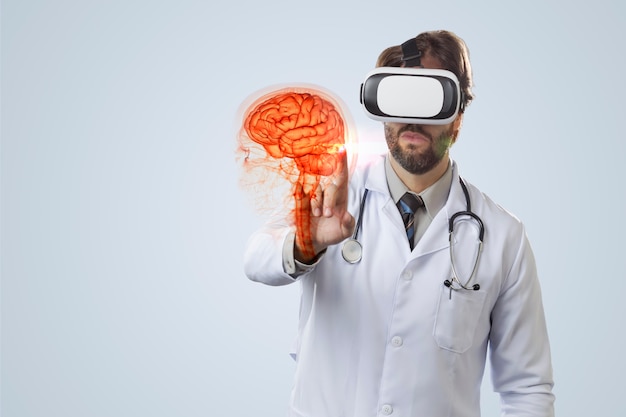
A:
[457,318]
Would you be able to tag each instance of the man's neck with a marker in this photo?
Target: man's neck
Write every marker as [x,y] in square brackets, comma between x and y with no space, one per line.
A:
[419,182]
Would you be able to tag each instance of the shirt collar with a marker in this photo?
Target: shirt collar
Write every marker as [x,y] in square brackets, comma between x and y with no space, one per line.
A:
[434,197]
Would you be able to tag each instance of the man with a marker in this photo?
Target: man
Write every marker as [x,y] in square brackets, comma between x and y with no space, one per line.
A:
[394,333]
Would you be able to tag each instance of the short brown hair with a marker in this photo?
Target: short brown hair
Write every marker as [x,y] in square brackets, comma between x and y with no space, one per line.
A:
[447,48]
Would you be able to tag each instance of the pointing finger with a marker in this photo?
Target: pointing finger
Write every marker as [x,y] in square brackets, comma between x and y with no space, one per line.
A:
[336,194]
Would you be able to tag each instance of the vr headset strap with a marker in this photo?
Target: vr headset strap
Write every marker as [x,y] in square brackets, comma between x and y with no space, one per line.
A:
[410,54]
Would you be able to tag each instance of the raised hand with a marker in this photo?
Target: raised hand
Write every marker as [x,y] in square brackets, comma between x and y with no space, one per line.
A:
[330,221]
[306,132]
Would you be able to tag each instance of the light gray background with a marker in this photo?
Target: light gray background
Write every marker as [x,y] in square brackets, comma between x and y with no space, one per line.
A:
[122,226]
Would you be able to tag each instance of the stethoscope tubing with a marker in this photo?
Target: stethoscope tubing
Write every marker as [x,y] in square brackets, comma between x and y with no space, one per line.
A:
[352,249]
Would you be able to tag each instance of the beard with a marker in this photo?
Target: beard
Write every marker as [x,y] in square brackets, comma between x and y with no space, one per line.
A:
[410,158]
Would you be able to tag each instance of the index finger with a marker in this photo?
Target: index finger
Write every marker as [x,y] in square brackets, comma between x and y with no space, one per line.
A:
[336,194]
[342,171]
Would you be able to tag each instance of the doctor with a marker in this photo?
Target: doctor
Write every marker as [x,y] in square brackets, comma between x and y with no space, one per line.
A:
[394,334]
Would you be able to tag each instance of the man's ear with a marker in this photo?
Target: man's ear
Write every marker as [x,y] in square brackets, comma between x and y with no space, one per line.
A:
[456,126]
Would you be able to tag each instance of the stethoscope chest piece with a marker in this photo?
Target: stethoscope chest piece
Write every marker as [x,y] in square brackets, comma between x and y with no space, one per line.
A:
[352,251]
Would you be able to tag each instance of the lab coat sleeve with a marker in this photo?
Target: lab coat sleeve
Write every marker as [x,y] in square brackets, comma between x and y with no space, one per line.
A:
[269,256]
[263,255]
[519,347]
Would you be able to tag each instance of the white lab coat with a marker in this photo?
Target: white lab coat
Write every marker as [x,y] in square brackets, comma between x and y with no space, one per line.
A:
[383,337]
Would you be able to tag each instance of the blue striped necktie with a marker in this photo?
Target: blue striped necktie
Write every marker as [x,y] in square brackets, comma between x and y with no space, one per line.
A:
[408,205]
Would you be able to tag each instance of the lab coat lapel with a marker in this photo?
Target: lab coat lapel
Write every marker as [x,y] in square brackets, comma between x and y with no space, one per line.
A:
[436,236]
[377,182]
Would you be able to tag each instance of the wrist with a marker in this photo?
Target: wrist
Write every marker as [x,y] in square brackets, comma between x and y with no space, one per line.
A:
[307,258]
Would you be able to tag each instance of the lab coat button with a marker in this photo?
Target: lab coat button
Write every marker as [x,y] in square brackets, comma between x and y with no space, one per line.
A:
[396,341]
[386,409]
[407,275]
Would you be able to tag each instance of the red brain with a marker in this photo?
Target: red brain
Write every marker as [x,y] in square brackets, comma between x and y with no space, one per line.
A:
[301,126]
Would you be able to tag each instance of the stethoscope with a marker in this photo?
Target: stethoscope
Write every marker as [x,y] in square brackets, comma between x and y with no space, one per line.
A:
[352,250]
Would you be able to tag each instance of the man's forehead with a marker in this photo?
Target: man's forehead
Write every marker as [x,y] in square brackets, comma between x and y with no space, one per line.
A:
[429,61]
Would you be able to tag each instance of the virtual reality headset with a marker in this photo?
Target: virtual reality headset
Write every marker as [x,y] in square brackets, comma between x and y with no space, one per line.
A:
[411,95]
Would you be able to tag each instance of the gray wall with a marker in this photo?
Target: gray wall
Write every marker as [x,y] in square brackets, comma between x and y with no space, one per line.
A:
[123,224]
